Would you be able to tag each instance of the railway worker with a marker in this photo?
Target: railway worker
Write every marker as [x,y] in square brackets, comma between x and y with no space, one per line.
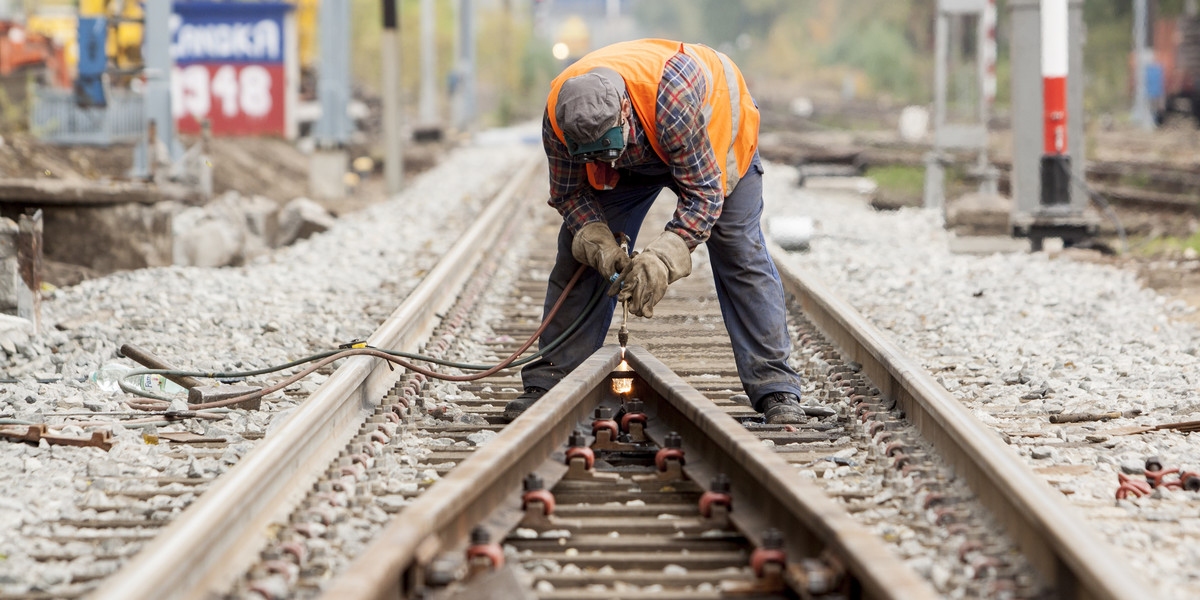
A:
[621,124]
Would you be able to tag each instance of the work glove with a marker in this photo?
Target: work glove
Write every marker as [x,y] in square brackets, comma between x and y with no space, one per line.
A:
[595,246]
[666,260]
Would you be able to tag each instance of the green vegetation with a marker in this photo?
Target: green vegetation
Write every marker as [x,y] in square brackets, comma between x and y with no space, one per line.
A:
[899,180]
[880,45]
[887,46]
[880,48]
[513,72]
[1165,245]
[1137,180]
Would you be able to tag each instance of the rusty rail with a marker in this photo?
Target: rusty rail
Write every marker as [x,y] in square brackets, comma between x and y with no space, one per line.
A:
[442,518]
[1053,537]
[202,551]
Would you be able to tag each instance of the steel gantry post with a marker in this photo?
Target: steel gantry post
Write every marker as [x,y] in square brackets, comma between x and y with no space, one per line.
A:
[971,135]
[393,154]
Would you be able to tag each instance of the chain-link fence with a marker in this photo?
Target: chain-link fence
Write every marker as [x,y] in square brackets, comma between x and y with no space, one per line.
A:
[56,118]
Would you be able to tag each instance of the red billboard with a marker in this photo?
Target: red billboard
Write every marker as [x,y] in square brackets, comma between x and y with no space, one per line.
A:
[234,65]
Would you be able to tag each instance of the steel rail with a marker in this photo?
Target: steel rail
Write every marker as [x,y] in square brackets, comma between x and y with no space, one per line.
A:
[812,523]
[442,517]
[1057,542]
[445,514]
[200,553]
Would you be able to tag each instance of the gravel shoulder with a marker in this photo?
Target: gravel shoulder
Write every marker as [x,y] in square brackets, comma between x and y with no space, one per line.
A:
[1020,337]
[323,291]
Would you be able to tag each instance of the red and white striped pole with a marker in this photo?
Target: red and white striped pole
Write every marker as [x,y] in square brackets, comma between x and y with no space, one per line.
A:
[1055,161]
[989,54]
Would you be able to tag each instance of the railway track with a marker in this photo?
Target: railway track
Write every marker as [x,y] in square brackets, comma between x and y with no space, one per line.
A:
[905,464]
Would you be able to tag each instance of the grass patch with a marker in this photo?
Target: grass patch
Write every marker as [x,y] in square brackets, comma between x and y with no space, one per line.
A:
[899,180]
[1137,180]
[1166,245]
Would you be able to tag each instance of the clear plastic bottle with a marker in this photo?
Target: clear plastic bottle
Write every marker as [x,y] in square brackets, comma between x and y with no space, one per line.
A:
[108,379]
[157,383]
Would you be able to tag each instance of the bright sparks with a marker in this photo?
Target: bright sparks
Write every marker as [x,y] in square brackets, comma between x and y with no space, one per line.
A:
[622,385]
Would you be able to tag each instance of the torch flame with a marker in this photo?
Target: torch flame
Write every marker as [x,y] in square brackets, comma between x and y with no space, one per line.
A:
[622,385]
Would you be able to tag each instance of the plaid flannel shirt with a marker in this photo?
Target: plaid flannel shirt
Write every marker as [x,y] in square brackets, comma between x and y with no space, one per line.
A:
[683,136]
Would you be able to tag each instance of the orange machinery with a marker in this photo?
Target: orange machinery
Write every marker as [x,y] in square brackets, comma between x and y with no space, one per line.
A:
[20,48]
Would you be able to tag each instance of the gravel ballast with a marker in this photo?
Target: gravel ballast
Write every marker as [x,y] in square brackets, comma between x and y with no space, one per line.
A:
[1020,337]
[312,296]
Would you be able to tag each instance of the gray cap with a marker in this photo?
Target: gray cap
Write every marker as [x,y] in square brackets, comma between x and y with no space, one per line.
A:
[590,104]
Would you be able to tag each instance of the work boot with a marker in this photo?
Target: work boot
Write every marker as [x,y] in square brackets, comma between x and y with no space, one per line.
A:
[780,408]
[521,403]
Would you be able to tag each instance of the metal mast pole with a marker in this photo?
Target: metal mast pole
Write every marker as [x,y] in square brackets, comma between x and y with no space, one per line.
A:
[156,48]
[1056,162]
[428,109]
[1141,99]
[464,105]
[332,130]
[393,152]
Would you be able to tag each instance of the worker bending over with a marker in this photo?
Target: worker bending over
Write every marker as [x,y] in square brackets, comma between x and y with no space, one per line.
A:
[621,124]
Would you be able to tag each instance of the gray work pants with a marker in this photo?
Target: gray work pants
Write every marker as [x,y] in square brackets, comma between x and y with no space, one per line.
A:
[748,288]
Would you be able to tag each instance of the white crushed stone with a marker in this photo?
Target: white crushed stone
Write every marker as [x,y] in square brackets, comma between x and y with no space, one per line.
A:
[312,296]
[1018,337]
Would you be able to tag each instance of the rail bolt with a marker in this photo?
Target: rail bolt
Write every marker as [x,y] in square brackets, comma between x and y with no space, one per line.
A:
[1155,477]
[577,439]
[770,553]
[482,555]
[672,450]
[718,495]
[895,448]
[633,414]
[1153,464]
[536,492]
[604,423]
[580,449]
[1190,481]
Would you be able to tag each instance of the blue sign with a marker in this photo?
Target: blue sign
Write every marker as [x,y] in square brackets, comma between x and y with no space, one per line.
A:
[89,81]
[1154,81]
[228,32]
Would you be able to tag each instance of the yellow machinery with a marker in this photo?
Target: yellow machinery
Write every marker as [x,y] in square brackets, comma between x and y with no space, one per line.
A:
[60,23]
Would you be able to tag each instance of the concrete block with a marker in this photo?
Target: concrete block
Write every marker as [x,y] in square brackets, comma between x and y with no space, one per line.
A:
[791,233]
[979,214]
[862,186]
[326,168]
[211,243]
[10,274]
[988,244]
[301,218]
[110,238]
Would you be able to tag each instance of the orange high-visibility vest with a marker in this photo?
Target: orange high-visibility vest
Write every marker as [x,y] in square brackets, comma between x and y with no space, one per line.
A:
[732,125]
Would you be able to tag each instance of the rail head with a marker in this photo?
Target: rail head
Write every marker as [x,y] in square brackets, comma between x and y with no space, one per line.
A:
[810,520]
[441,518]
[1057,541]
